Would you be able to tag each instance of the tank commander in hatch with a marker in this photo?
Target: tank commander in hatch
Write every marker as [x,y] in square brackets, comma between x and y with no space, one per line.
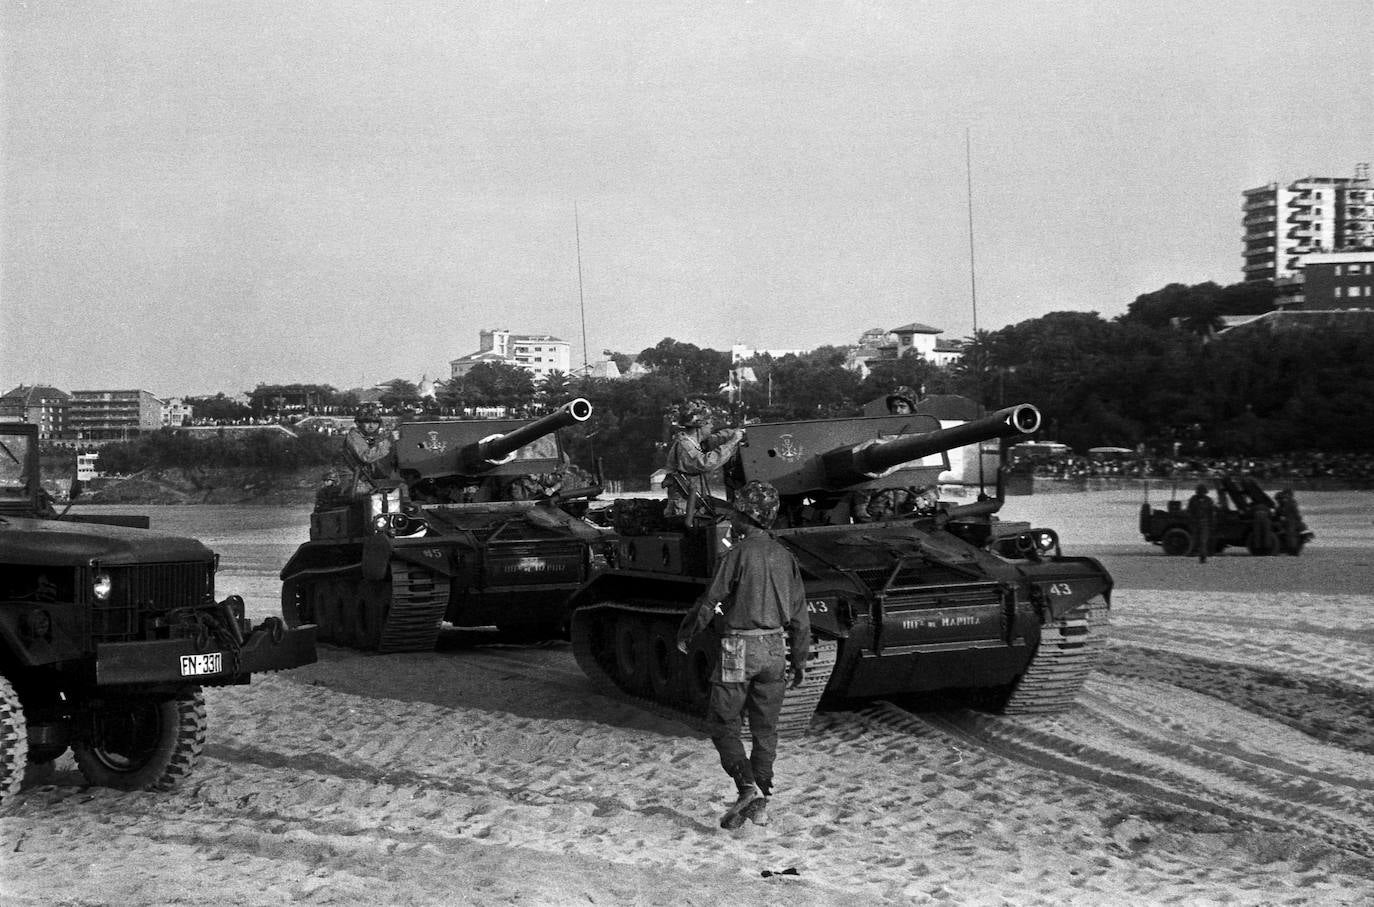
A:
[867,504]
[696,451]
[755,600]
[369,458]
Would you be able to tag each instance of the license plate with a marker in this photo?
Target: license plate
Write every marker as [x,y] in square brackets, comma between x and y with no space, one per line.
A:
[195,665]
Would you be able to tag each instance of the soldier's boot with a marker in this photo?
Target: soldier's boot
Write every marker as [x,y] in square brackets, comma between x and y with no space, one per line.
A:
[734,816]
[757,812]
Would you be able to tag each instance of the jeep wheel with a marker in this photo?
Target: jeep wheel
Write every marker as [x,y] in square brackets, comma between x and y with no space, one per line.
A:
[144,744]
[1177,542]
[14,742]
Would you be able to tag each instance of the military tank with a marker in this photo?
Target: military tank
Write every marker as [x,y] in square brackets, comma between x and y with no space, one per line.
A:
[382,571]
[935,596]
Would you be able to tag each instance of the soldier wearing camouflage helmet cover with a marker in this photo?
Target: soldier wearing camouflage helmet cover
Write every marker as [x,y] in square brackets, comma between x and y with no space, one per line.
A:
[369,460]
[695,452]
[756,605]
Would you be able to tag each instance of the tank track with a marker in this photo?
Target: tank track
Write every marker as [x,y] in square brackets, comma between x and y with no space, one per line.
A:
[1068,653]
[419,600]
[400,615]
[798,705]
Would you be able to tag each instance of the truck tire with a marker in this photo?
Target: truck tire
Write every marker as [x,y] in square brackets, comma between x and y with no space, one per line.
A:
[144,744]
[14,742]
[1177,542]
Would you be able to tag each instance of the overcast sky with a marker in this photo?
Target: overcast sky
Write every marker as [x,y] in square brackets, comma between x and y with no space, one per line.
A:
[201,197]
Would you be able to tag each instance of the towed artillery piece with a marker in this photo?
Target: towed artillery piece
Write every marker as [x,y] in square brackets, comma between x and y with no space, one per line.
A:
[1246,516]
[943,597]
[382,571]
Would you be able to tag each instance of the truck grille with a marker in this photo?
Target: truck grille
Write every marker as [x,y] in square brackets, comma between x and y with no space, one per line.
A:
[141,592]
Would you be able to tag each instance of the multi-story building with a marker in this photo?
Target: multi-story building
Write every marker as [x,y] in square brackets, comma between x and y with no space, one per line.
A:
[112,415]
[539,354]
[1338,280]
[37,404]
[876,344]
[1315,214]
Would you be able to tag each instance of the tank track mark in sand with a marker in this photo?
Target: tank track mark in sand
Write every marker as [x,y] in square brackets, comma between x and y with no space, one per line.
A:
[590,623]
[419,600]
[1067,655]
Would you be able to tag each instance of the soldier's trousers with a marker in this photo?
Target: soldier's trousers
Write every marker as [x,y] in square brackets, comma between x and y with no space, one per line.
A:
[759,696]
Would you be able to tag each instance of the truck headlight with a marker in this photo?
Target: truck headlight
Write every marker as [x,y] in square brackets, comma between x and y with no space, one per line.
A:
[101,586]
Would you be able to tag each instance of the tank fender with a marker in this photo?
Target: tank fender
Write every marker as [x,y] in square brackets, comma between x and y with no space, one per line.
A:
[41,633]
[668,590]
[831,616]
[437,559]
[1060,586]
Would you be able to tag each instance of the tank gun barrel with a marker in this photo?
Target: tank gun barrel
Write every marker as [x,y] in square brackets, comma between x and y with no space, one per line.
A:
[489,451]
[845,465]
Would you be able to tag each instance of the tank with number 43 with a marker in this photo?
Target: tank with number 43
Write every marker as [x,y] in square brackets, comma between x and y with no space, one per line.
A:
[907,593]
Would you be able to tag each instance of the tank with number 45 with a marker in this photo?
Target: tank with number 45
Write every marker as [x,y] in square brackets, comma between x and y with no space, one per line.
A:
[907,593]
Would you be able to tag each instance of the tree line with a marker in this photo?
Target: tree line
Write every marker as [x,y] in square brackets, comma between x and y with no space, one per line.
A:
[1158,376]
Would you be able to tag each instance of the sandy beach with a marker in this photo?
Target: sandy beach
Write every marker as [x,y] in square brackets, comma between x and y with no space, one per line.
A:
[1223,754]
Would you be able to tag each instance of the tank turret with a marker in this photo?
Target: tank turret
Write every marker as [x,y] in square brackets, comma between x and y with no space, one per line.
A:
[482,539]
[896,450]
[484,447]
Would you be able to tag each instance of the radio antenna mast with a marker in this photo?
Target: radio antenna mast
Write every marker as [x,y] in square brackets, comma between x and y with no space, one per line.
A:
[973,296]
[581,302]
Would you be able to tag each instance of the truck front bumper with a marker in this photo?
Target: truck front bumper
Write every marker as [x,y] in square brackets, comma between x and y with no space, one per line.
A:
[270,647]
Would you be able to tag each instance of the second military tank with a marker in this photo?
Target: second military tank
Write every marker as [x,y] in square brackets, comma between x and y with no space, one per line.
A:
[930,595]
[383,571]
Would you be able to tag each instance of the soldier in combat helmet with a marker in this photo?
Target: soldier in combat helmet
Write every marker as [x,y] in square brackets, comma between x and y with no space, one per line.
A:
[696,451]
[757,606]
[369,460]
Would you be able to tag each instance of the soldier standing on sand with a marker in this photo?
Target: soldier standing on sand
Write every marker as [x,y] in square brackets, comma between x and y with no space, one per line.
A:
[1202,514]
[755,598]
[695,452]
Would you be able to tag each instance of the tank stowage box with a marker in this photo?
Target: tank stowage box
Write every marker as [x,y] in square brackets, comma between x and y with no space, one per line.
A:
[383,571]
[906,593]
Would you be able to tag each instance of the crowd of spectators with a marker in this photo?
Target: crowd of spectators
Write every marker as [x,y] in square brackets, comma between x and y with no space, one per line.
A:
[1274,469]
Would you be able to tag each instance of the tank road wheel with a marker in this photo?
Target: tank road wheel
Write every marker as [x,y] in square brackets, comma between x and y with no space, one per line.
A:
[370,610]
[701,661]
[632,653]
[297,607]
[143,744]
[1177,542]
[667,666]
[14,742]
[321,596]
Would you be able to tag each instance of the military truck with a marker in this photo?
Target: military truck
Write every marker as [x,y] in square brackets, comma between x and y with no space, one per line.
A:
[1246,516]
[108,633]
[383,571]
[933,596]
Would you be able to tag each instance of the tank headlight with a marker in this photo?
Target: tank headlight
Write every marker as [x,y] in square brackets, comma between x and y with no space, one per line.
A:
[101,586]
[381,523]
[1046,541]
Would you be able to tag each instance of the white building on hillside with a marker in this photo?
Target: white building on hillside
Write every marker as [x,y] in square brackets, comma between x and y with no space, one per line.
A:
[539,354]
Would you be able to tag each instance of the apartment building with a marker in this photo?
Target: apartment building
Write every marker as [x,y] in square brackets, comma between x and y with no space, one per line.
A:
[37,404]
[112,415]
[1316,214]
[539,354]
